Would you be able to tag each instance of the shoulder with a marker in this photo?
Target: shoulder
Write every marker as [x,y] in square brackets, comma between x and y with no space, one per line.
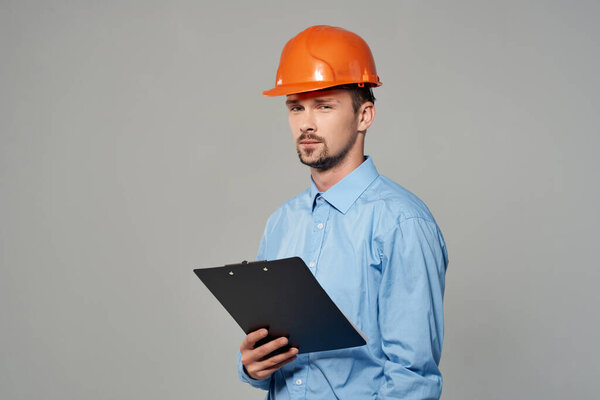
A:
[395,203]
[404,218]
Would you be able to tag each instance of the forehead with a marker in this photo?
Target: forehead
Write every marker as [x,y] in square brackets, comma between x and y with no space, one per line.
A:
[340,95]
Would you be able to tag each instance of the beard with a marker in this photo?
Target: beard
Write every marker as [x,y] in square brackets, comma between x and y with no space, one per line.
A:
[325,160]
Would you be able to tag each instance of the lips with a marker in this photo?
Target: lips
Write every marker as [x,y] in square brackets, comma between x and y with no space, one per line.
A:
[309,142]
[309,139]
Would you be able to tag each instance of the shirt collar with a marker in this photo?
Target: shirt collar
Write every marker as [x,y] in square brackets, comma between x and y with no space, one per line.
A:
[344,193]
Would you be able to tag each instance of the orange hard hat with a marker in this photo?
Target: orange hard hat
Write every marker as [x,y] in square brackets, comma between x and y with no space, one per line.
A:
[321,57]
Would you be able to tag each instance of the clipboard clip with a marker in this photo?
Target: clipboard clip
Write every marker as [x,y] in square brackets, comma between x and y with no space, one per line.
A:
[245,263]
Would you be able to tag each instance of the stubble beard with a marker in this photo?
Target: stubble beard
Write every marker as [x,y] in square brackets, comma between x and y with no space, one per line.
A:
[325,161]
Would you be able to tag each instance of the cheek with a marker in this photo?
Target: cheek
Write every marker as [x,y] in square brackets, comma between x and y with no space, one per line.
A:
[330,124]
[341,129]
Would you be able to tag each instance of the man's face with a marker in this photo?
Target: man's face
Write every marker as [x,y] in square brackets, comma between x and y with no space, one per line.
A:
[324,126]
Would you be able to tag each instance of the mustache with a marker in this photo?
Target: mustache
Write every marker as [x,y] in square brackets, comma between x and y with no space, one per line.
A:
[309,136]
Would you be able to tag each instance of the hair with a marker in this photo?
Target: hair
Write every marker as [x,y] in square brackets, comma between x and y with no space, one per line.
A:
[360,95]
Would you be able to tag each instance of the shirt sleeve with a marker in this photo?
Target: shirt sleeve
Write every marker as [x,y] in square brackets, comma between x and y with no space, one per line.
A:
[411,320]
[242,374]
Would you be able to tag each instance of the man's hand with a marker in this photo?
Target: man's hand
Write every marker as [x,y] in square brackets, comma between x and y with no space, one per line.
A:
[253,359]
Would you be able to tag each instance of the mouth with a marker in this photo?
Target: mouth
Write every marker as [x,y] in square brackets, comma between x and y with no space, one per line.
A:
[309,142]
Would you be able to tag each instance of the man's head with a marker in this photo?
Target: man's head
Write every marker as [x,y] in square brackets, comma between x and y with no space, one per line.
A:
[327,74]
[328,125]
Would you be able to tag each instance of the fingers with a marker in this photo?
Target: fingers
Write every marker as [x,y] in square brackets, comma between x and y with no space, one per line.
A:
[279,358]
[268,348]
[251,355]
[269,371]
[253,359]
[263,369]
[251,339]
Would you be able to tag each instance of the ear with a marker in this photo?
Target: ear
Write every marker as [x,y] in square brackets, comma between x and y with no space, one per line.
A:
[366,114]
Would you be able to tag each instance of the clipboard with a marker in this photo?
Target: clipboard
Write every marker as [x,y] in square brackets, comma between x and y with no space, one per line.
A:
[284,297]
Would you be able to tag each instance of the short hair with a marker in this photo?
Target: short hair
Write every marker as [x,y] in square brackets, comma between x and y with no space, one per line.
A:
[359,94]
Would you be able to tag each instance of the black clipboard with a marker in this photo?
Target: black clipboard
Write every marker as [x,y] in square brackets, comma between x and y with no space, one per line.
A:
[284,297]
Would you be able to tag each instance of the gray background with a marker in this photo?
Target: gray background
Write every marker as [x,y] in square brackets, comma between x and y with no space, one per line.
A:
[135,145]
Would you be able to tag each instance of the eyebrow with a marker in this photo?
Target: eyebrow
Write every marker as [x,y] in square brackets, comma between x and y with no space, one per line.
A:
[319,101]
[326,100]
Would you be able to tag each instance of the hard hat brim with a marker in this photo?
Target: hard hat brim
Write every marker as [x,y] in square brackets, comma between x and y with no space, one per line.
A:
[284,90]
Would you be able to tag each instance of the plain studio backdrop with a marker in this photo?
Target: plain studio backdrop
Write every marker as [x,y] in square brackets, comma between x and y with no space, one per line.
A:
[136,145]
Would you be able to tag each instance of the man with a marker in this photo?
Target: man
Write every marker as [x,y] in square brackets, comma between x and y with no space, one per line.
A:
[371,244]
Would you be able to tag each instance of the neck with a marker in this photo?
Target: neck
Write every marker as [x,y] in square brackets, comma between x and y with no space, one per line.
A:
[325,179]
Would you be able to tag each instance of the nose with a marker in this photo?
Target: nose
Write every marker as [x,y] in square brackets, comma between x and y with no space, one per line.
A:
[307,124]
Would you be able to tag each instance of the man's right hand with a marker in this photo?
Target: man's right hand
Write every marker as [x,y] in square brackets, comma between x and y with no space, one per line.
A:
[253,359]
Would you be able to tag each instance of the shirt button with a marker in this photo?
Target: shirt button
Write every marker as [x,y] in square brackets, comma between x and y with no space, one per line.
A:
[320,226]
[312,264]
[298,381]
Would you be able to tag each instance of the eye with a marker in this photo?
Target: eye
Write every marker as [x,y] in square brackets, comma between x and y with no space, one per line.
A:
[324,107]
[295,108]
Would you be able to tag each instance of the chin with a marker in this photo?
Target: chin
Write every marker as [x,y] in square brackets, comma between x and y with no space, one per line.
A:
[306,160]
[308,156]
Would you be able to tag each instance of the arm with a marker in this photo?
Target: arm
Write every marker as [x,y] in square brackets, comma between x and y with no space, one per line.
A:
[411,319]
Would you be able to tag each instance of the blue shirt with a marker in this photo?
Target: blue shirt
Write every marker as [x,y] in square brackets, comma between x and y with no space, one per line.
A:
[379,254]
